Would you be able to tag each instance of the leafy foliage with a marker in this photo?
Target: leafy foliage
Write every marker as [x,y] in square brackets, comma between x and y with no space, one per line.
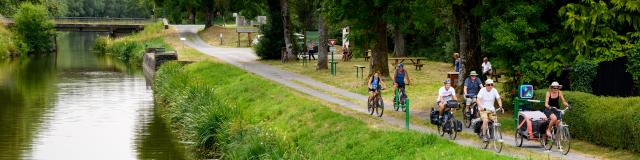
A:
[33,26]
[583,74]
[270,44]
[609,121]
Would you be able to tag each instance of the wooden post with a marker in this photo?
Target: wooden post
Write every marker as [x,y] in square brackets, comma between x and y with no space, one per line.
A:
[249,38]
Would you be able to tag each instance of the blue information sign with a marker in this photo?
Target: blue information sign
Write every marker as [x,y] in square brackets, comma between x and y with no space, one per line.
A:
[526,91]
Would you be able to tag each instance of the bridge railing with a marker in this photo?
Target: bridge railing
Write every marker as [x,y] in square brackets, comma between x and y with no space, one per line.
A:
[102,20]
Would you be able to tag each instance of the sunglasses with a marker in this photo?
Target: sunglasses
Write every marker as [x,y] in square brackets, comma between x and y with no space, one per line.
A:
[489,84]
[555,88]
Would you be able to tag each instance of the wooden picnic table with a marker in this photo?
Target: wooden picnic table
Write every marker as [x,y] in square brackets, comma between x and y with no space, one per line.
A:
[414,61]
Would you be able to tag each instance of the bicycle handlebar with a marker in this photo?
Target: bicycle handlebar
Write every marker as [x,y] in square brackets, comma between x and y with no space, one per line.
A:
[470,95]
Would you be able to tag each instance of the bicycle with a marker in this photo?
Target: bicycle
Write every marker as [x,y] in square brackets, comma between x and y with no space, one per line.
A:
[493,134]
[472,113]
[560,136]
[378,106]
[449,124]
[400,100]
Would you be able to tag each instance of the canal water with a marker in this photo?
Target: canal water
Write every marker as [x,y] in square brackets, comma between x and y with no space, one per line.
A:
[79,105]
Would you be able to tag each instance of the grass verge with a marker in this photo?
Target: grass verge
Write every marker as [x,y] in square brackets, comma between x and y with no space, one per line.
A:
[232,114]
[423,91]
[131,48]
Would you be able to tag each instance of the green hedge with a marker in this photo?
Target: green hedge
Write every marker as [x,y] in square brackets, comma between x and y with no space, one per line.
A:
[232,114]
[608,121]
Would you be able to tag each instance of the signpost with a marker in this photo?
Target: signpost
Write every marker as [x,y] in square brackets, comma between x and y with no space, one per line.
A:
[183,40]
[332,49]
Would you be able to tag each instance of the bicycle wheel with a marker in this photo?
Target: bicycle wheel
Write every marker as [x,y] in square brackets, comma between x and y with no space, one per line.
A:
[565,141]
[453,134]
[485,145]
[370,107]
[396,103]
[497,139]
[549,141]
[380,108]
[441,128]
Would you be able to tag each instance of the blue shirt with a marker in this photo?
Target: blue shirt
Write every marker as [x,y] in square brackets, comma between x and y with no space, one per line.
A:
[374,83]
[457,65]
[473,87]
[400,76]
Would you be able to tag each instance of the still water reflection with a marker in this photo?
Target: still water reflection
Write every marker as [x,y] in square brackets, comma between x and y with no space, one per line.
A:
[79,105]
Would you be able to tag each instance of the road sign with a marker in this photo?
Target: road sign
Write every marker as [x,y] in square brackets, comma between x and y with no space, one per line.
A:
[332,41]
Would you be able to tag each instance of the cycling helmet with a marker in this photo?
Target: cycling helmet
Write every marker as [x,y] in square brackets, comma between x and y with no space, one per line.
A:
[446,81]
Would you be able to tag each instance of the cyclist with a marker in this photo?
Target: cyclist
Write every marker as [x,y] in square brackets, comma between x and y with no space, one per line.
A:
[486,99]
[553,97]
[472,86]
[445,93]
[399,75]
[375,85]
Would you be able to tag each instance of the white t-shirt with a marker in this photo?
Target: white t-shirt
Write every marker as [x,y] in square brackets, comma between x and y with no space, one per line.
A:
[486,67]
[487,99]
[446,94]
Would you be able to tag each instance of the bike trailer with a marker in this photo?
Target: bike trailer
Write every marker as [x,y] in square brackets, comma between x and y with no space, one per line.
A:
[434,117]
[536,124]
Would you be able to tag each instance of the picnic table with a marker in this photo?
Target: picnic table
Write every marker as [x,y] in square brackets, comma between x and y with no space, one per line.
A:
[414,61]
[359,69]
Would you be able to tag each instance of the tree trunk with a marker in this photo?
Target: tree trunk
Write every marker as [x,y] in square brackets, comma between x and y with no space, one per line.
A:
[322,44]
[286,23]
[379,56]
[208,18]
[192,16]
[398,41]
[469,35]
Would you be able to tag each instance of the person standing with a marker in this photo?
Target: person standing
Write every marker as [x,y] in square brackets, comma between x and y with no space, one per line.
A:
[486,68]
[456,61]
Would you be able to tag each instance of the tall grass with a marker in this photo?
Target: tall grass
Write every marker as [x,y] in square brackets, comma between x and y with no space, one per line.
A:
[9,44]
[231,114]
[131,48]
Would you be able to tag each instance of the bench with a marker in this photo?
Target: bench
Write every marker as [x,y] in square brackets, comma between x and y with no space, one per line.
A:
[366,58]
[361,69]
[419,66]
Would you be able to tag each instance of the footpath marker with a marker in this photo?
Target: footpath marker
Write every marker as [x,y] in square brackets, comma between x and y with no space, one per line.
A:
[333,62]
[407,114]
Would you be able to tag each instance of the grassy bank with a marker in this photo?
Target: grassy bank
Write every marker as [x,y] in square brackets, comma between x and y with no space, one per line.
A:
[425,83]
[8,43]
[231,114]
[131,48]
[211,35]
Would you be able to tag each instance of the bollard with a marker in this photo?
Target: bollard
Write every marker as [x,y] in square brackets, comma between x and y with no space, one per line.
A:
[407,114]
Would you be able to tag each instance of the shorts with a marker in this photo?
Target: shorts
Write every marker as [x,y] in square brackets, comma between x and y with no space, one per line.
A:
[548,112]
[484,115]
[401,85]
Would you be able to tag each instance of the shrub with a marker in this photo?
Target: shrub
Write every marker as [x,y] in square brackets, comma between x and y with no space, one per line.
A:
[9,43]
[608,121]
[33,25]
[582,76]
[131,48]
[270,44]
[634,66]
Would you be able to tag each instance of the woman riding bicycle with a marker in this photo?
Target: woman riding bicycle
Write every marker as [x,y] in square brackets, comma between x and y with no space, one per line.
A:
[375,85]
[399,76]
[553,97]
[486,98]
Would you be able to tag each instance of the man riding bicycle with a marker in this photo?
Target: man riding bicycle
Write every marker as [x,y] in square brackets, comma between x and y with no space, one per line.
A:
[399,76]
[445,93]
[486,98]
[472,86]
[375,85]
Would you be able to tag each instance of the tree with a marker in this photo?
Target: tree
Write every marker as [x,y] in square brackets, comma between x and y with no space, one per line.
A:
[323,56]
[468,26]
[33,25]
[286,23]
[270,44]
[364,15]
